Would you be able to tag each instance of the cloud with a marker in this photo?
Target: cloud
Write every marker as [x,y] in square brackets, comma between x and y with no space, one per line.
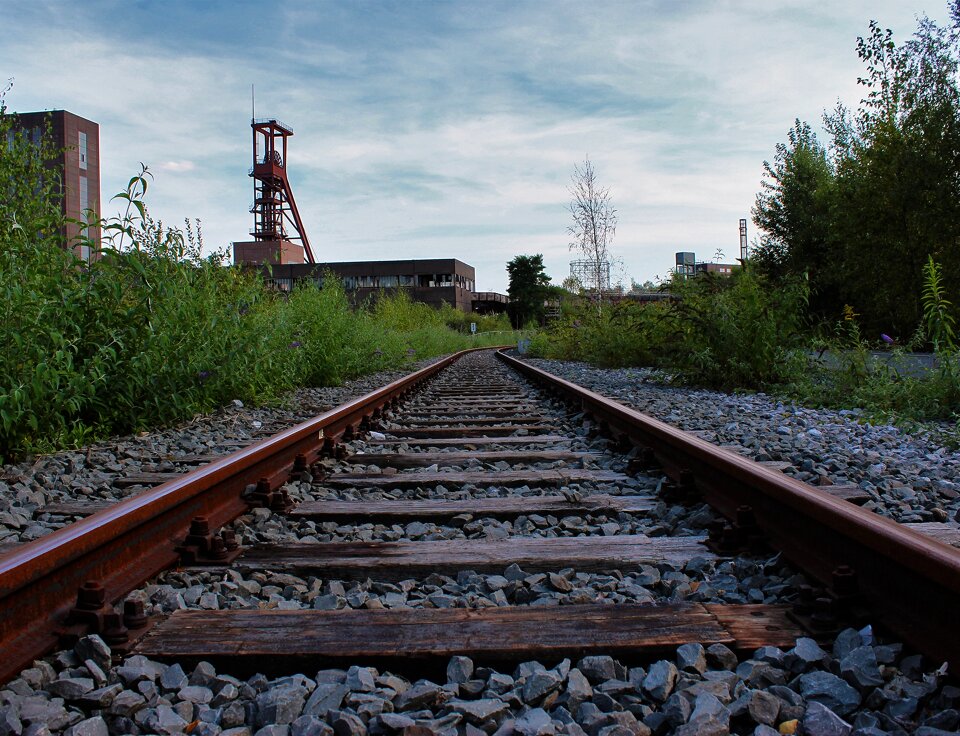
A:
[450,128]
[176,166]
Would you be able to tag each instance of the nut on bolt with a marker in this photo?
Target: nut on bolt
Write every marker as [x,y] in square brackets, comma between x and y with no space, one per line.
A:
[134,616]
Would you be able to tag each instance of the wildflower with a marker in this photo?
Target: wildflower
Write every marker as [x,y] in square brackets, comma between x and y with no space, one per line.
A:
[202,376]
[295,344]
[411,352]
[886,338]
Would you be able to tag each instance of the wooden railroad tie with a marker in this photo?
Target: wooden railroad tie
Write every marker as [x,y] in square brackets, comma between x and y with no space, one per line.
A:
[481,478]
[419,459]
[430,441]
[505,633]
[469,431]
[403,560]
[505,507]
[497,419]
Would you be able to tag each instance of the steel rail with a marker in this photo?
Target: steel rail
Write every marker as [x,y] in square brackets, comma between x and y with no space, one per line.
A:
[909,583]
[134,539]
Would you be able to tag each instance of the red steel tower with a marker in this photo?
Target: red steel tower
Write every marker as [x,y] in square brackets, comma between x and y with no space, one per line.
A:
[276,219]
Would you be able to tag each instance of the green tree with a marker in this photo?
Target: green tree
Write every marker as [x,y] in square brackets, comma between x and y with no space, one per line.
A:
[527,290]
[897,159]
[792,211]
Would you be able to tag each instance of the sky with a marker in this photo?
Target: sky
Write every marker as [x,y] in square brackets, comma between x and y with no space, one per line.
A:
[451,129]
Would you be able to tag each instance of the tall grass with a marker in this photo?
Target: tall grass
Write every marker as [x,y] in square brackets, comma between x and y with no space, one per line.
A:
[154,331]
[720,332]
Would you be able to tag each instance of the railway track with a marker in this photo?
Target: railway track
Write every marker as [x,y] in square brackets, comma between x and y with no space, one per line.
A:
[483,510]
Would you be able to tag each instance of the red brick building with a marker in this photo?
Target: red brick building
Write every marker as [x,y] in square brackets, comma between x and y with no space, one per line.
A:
[78,167]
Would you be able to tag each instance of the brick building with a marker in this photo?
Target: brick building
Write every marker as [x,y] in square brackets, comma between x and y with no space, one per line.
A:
[78,166]
[432,281]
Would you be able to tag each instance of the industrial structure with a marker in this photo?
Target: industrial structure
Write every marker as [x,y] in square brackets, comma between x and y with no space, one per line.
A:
[278,232]
[281,248]
[490,302]
[76,142]
[431,281]
[687,265]
[591,275]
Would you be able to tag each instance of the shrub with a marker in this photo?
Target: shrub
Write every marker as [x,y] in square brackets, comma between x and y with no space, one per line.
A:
[722,332]
[154,332]
[735,331]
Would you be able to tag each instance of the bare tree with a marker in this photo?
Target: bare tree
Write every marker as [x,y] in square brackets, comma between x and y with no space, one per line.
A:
[594,224]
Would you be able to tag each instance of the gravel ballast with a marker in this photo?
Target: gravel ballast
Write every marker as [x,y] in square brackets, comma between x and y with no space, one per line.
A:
[852,684]
[908,477]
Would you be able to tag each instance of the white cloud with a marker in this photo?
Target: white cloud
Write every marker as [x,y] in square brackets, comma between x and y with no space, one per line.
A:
[451,129]
[176,166]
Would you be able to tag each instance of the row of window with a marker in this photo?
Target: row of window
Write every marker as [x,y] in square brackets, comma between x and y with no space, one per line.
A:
[386,282]
[421,280]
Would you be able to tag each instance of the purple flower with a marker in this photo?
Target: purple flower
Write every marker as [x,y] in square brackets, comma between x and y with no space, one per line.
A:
[294,344]
[203,376]
[411,351]
[886,338]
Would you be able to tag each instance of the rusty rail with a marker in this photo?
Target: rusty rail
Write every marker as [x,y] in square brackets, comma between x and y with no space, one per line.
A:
[121,547]
[909,583]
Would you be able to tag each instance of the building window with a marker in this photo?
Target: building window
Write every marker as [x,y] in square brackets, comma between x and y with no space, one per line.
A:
[389,282]
[84,194]
[83,151]
[407,280]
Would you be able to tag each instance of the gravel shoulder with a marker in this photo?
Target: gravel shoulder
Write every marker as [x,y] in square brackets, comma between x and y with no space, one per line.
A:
[909,477]
[90,473]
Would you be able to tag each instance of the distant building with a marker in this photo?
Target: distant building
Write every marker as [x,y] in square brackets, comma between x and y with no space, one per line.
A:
[431,281]
[78,167]
[723,269]
[490,302]
[688,265]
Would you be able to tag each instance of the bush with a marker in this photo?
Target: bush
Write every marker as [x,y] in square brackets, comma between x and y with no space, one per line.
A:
[153,332]
[622,335]
[721,332]
[736,331]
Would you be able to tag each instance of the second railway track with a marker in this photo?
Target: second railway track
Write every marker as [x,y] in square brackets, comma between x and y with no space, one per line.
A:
[474,514]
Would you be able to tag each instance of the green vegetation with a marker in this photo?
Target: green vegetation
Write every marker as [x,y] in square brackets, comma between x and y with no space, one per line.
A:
[529,287]
[861,216]
[858,251]
[154,332]
[716,331]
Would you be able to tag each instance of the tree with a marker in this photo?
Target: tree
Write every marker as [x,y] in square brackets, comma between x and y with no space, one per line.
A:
[792,212]
[897,160]
[862,216]
[594,224]
[527,290]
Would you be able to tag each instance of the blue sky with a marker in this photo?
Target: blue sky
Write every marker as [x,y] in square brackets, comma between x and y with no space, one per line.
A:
[451,129]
